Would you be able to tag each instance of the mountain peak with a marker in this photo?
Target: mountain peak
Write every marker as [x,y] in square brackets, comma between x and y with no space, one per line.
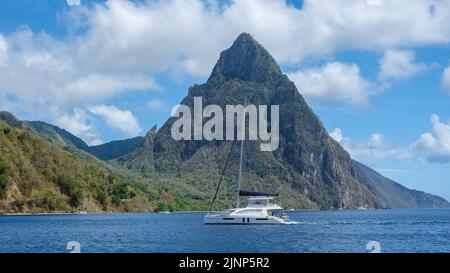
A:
[152,132]
[150,135]
[10,119]
[246,60]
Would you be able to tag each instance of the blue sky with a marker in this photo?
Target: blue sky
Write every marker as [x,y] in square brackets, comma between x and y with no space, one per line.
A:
[108,70]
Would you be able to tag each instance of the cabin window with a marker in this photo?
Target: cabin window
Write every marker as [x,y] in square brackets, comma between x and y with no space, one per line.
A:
[248,220]
[228,218]
[243,220]
[261,219]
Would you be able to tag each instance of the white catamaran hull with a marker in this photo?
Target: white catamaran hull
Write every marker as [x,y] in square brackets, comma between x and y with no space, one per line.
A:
[243,220]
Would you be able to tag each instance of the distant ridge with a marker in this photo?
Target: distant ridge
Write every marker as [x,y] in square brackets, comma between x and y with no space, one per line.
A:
[57,135]
[394,195]
[63,138]
[116,149]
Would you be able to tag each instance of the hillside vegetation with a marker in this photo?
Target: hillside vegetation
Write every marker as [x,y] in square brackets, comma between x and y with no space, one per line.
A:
[38,176]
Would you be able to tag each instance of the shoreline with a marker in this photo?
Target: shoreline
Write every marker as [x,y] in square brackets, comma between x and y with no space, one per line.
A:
[159,212]
[99,213]
[197,211]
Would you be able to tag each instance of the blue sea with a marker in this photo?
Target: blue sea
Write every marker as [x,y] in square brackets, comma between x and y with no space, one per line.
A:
[421,230]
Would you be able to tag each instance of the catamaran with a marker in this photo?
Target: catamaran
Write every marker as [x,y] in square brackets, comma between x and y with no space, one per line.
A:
[259,208]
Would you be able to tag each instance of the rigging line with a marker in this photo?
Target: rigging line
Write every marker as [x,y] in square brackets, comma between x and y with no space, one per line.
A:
[221,177]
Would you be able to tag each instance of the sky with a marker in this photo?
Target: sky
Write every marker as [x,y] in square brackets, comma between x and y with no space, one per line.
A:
[376,72]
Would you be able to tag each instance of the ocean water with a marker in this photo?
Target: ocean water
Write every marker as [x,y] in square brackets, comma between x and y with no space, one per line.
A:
[421,230]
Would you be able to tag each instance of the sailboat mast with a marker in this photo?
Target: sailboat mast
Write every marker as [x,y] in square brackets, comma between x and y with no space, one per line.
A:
[240,160]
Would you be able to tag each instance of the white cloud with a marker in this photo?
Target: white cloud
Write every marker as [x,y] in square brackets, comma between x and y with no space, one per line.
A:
[153,36]
[123,121]
[337,134]
[374,2]
[160,35]
[334,82]
[377,148]
[432,146]
[445,80]
[97,86]
[73,2]
[77,125]
[3,49]
[44,74]
[156,105]
[399,65]
[326,26]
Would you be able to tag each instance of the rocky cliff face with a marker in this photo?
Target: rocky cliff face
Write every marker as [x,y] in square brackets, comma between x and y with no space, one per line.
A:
[309,168]
[141,159]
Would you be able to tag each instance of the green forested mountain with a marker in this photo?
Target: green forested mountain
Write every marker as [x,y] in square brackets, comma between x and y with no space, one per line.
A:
[41,170]
[115,149]
[56,135]
[38,176]
[106,151]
